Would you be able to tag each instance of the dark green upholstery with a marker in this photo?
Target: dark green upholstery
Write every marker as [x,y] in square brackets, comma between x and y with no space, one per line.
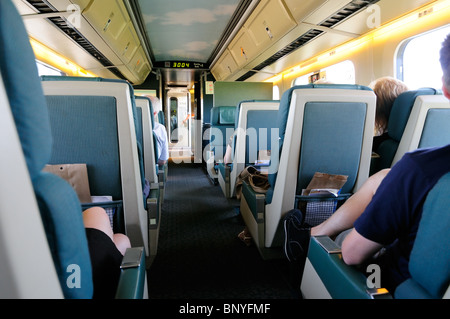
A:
[429,263]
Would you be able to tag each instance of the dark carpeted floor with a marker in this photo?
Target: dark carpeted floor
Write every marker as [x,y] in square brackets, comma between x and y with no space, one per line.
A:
[199,255]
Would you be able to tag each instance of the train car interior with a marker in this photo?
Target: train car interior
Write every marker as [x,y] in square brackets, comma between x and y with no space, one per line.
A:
[280,87]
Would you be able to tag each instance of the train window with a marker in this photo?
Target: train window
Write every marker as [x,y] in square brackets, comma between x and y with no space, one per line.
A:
[340,73]
[418,59]
[173,119]
[276,92]
[45,69]
[302,80]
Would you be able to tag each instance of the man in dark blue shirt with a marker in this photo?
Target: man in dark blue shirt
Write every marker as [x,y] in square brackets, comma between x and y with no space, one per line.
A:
[392,217]
[386,211]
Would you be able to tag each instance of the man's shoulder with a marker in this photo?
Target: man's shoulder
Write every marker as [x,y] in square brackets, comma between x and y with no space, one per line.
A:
[158,127]
[430,156]
[432,152]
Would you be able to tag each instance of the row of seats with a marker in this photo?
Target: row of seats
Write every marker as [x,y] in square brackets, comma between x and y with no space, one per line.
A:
[419,119]
[219,132]
[322,128]
[44,248]
[253,132]
[315,136]
[326,276]
[97,122]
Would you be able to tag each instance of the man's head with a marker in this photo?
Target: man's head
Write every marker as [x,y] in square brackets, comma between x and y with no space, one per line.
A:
[445,63]
[156,103]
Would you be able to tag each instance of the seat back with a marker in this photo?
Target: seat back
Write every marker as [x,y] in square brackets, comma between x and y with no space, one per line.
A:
[323,128]
[254,123]
[147,139]
[255,130]
[119,122]
[27,269]
[222,128]
[90,124]
[429,263]
[428,125]
[398,119]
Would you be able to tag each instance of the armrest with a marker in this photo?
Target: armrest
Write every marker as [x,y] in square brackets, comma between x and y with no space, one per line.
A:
[132,280]
[340,280]
[224,170]
[255,201]
[162,174]
[153,207]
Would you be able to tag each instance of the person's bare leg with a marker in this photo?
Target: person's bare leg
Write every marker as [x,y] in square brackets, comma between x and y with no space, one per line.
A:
[122,242]
[97,218]
[346,215]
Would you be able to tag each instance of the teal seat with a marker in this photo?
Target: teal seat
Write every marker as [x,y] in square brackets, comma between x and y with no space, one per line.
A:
[428,125]
[148,141]
[254,121]
[48,211]
[429,263]
[163,171]
[78,97]
[220,131]
[322,128]
[327,276]
[398,119]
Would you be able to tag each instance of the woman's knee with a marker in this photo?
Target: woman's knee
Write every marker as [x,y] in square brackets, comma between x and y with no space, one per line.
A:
[122,242]
[96,217]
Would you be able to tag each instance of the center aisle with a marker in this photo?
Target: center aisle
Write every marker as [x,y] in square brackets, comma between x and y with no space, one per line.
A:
[199,255]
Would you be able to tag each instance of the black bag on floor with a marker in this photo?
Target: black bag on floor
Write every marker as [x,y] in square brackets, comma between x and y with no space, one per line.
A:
[296,243]
[296,236]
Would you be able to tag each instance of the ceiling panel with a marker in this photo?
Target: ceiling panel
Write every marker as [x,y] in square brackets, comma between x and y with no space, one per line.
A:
[193,28]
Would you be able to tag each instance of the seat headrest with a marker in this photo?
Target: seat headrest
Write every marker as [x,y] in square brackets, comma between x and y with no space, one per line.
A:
[22,84]
[223,115]
[401,109]
[285,102]
[150,105]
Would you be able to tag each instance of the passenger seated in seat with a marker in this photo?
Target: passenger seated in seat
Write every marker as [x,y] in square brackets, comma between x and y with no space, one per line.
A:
[106,250]
[387,89]
[161,133]
[227,157]
[386,211]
